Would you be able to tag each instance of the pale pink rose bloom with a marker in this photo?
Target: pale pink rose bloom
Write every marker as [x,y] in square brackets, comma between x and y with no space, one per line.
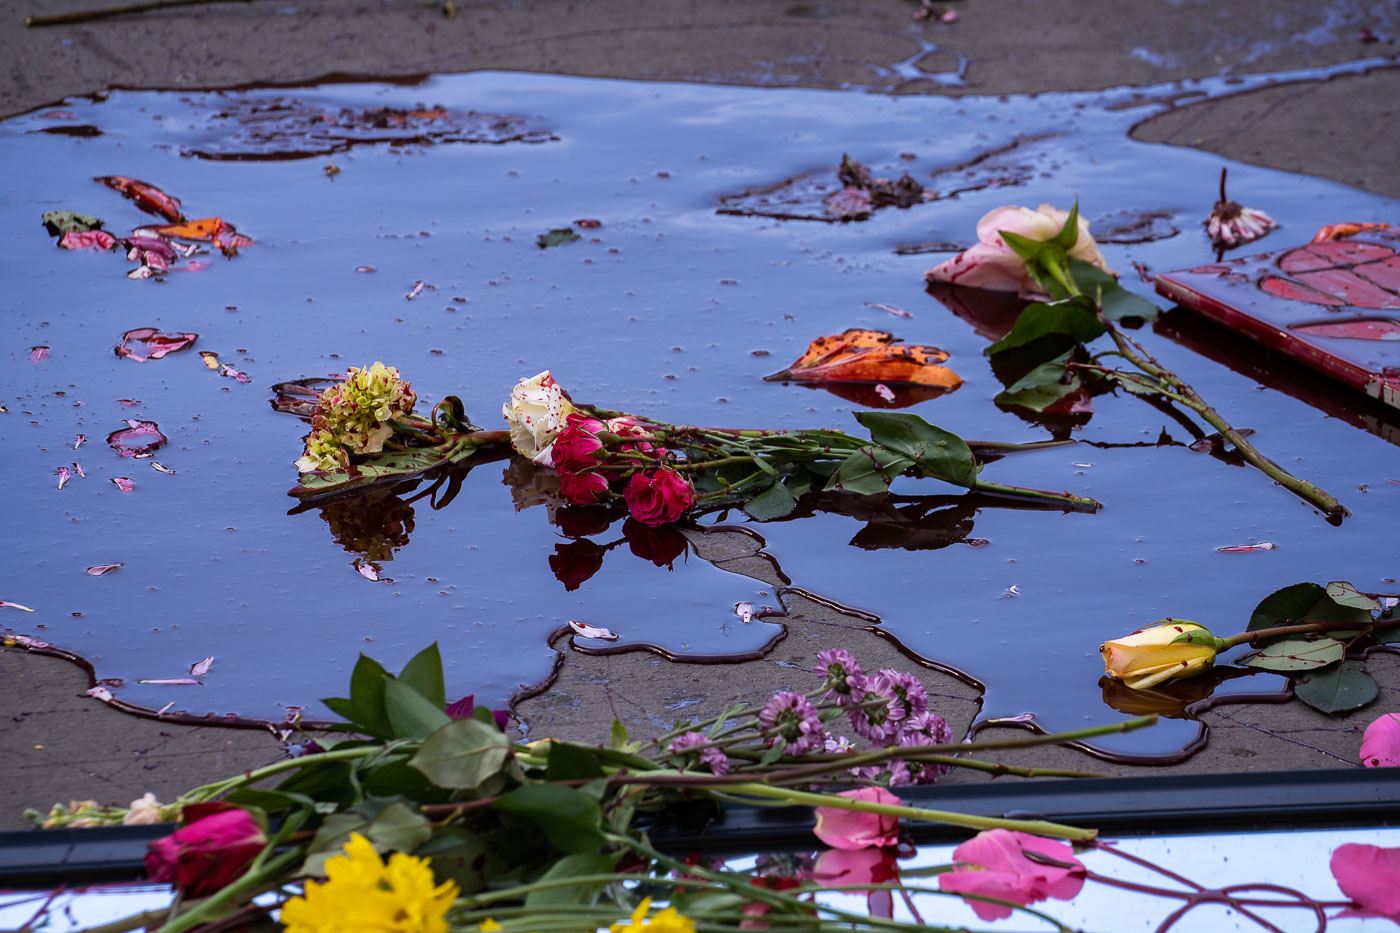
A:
[1380,746]
[146,809]
[993,265]
[1370,877]
[994,864]
[854,829]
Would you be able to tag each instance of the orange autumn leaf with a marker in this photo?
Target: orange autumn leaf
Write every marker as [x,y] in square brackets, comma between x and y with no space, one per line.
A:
[202,229]
[872,356]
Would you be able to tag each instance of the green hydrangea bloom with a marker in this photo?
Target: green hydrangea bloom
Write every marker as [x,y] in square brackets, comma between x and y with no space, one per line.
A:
[355,417]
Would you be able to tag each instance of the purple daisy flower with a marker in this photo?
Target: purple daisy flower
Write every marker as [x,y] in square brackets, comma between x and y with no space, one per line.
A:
[789,718]
[876,723]
[892,773]
[714,757]
[909,691]
[837,667]
[925,729]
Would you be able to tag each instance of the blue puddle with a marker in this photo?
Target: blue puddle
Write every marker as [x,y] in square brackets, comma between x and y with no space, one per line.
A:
[669,309]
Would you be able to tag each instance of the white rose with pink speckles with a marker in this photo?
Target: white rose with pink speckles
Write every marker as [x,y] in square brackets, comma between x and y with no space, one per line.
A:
[537,411]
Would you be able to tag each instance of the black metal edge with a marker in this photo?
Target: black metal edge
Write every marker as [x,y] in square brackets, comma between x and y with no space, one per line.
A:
[1165,804]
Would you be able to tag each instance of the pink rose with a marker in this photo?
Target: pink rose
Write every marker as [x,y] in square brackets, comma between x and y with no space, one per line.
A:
[577,447]
[207,854]
[1380,746]
[1370,877]
[993,265]
[659,497]
[856,829]
[837,867]
[582,488]
[994,864]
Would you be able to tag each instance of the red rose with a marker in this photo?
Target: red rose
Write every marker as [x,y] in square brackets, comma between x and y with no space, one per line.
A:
[582,488]
[658,498]
[577,447]
[204,856]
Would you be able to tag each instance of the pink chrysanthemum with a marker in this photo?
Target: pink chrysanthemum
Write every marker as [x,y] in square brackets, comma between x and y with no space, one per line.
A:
[788,717]
[878,722]
[893,773]
[925,729]
[837,667]
[717,760]
[908,691]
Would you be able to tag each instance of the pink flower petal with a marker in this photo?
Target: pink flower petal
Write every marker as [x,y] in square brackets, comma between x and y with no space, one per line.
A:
[200,668]
[234,374]
[897,312]
[855,829]
[367,570]
[416,290]
[100,693]
[98,570]
[88,239]
[148,343]
[744,611]
[172,681]
[78,468]
[1240,548]
[156,465]
[589,631]
[64,475]
[124,483]
[994,864]
[1370,876]
[884,391]
[78,441]
[38,354]
[140,439]
[1380,747]
[9,605]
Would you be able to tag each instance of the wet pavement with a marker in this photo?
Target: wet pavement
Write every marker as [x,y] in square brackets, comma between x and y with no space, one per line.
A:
[582,148]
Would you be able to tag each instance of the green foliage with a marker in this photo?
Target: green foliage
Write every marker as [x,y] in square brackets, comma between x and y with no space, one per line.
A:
[63,222]
[774,502]
[1115,301]
[570,866]
[868,471]
[936,452]
[1296,654]
[1047,385]
[1073,318]
[568,818]
[463,754]
[1337,689]
[556,237]
[1287,605]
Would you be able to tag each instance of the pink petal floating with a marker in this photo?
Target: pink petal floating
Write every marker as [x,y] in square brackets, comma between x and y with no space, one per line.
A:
[24,641]
[414,292]
[744,611]
[38,354]
[4,604]
[366,269]
[88,239]
[897,312]
[98,570]
[994,863]
[147,343]
[194,265]
[139,439]
[1380,746]
[129,402]
[1238,548]
[156,465]
[78,468]
[589,631]
[368,571]
[234,374]
[124,483]
[172,681]
[884,391]
[100,693]
[856,829]
[1370,877]
[78,441]
[64,475]
[200,668]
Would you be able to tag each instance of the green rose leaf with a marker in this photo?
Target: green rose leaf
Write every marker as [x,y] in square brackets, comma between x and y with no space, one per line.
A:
[462,754]
[1115,300]
[774,502]
[1042,387]
[334,833]
[937,452]
[364,708]
[568,762]
[1075,318]
[568,818]
[62,222]
[1296,654]
[423,673]
[1344,594]
[556,237]
[1327,610]
[1289,604]
[568,867]
[411,715]
[398,827]
[868,471]
[464,857]
[1336,690]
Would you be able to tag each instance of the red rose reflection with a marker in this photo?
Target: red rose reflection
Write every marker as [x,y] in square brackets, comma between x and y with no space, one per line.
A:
[658,498]
[582,488]
[661,545]
[581,522]
[207,854]
[575,562]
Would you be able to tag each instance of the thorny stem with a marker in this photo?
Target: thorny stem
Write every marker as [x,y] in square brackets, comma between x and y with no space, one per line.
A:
[1254,637]
[1140,358]
[1068,499]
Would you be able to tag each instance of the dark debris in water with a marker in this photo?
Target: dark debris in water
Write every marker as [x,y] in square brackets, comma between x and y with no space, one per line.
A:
[249,127]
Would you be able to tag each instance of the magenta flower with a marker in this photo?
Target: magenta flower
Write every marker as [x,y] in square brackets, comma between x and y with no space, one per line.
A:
[925,729]
[994,864]
[1370,877]
[789,718]
[837,667]
[857,829]
[714,757]
[577,448]
[893,773]
[878,723]
[1380,746]
[206,854]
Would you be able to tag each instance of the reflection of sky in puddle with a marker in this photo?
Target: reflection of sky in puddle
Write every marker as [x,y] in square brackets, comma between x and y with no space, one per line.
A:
[662,315]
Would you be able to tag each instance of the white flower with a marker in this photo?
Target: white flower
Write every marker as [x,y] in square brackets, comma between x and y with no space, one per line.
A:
[537,411]
[993,265]
[147,809]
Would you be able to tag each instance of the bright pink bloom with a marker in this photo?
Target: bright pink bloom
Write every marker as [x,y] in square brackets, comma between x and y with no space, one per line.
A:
[838,667]
[1370,877]
[577,448]
[658,498]
[582,488]
[88,239]
[714,757]
[204,856]
[870,866]
[856,829]
[788,718]
[1380,747]
[994,864]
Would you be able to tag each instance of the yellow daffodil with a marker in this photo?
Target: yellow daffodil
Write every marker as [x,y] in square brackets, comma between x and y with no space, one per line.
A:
[363,894]
[665,921]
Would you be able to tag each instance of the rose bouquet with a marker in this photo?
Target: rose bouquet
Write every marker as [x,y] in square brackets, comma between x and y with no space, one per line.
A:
[364,430]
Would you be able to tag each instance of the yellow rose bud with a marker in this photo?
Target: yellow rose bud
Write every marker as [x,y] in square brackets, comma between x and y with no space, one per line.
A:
[1152,655]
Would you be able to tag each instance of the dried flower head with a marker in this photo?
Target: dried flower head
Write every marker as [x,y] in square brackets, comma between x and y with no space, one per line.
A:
[1230,223]
[354,417]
